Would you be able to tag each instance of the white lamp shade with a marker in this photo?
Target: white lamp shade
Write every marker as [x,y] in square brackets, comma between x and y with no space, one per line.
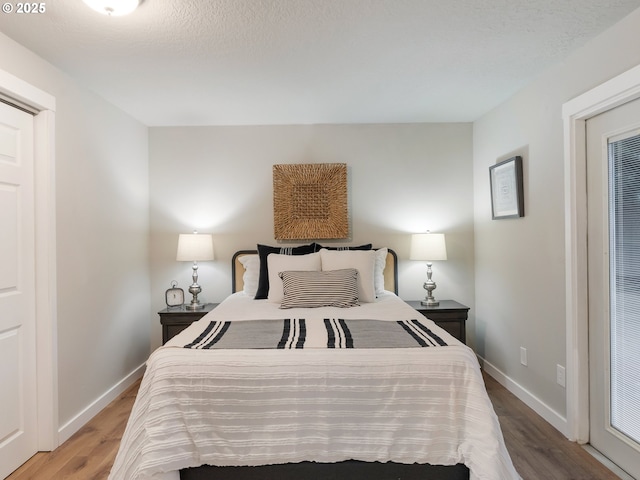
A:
[113,7]
[194,247]
[428,247]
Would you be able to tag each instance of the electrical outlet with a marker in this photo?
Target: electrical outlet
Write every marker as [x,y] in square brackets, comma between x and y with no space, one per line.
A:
[560,375]
[523,356]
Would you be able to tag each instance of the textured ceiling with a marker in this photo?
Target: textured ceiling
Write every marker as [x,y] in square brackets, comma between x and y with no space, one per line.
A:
[259,62]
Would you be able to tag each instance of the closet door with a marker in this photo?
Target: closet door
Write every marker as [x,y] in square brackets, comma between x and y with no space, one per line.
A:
[18,428]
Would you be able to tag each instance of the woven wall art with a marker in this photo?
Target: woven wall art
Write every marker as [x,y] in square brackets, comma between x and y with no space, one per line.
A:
[310,201]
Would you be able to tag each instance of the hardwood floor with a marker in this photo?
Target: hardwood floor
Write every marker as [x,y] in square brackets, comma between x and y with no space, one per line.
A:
[538,451]
[87,455]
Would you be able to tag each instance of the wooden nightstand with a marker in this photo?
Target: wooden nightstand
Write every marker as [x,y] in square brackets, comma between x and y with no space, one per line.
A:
[449,315]
[176,319]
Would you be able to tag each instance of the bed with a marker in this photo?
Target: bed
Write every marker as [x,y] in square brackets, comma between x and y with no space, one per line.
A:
[372,391]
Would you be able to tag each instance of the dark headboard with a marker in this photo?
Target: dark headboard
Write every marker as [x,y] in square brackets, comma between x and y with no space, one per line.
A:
[390,271]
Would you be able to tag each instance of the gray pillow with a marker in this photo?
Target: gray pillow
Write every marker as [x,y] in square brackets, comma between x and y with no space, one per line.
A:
[333,288]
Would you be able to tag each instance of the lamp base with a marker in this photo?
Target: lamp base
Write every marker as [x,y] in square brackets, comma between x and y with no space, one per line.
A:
[195,290]
[194,306]
[430,303]
[429,286]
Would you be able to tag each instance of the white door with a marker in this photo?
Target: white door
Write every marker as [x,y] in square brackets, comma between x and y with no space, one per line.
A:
[613,236]
[18,434]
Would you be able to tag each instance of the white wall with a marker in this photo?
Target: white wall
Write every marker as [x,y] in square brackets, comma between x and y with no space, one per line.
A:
[519,271]
[402,179]
[102,224]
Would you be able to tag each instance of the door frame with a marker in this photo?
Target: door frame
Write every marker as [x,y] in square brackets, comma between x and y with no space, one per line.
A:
[45,252]
[617,91]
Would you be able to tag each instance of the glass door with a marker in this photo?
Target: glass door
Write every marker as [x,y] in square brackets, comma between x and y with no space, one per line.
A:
[613,193]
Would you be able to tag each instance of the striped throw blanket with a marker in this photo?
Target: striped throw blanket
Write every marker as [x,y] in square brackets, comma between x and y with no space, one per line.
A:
[330,333]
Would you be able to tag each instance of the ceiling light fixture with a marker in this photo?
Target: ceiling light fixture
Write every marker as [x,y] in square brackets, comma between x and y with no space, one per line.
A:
[113,7]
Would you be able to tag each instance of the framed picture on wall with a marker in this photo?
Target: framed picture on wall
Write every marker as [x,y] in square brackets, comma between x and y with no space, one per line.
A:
[507,196]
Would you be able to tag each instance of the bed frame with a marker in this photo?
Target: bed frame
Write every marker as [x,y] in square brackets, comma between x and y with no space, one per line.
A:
[390,271]
[351,469]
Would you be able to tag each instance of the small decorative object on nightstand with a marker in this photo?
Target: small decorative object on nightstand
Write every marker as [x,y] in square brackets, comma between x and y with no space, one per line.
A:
[176,319]
[174,296]
[448,315]
[428,247]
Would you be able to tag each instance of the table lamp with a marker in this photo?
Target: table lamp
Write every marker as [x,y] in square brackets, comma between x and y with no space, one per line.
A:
[428,247]
[194,247]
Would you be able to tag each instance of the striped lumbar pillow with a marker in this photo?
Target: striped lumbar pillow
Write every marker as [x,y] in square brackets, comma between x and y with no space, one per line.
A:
[334,288]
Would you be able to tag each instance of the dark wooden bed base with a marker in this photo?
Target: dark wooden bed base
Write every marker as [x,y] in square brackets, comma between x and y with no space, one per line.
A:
[351,469]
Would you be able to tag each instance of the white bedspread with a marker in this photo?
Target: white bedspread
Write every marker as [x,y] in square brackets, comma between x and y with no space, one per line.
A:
[256,407]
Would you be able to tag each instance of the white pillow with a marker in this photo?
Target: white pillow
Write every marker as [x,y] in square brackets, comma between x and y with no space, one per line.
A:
[251,264]
[277,263]
[362,260]
[378,273]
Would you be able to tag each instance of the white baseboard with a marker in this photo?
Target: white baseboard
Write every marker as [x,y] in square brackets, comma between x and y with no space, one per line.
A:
[554,418]
[76,423]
